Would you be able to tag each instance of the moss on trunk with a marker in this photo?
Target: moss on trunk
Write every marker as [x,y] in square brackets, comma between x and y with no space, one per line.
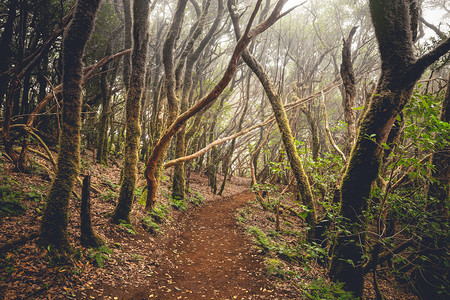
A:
[55,218]
[133,129]
[400,70]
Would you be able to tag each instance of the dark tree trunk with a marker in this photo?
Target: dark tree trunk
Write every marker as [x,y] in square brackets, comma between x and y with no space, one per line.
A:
[393,22]
[349,95]
[122,211]
[88,237]
[55,218]
[5,48]
[127,43]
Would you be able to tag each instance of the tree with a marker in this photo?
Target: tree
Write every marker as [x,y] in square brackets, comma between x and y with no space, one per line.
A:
[283,126]
[55,218]
[247,37]
[395,24]
[349,94]
[122,211]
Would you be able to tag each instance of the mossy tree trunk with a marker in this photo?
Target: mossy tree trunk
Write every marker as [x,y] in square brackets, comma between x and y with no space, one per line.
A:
[275,100]
[179,181]
[127,43]
[394,23]
[55,218]
[349,94]
[89,238]
[122,211]
[170,89]
[102,145]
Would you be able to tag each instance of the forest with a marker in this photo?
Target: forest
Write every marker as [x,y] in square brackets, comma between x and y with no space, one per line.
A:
[224,149]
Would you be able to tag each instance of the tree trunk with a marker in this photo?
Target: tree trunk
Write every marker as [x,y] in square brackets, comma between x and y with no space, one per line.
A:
[179,182]
[133,129]
[88,237]
[315,143]
[55,218]
[400,71]
[349,95]
[303,185]
[127,43]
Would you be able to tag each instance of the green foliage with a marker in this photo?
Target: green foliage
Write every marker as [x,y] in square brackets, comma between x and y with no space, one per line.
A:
[9,200]
[321,289]
[99,254]
[155,217]
[277,268]
[243,213]
[261,238]
[423,126]
[128,227]
[159,213]
[178,204]
[149,224]
[108,196]
[196,198]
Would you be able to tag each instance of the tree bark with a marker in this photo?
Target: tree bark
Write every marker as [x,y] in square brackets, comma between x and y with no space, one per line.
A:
[283,126]
[88,237]
[127,43]
[133,129]
[349,95]
[400,70]
[55,218]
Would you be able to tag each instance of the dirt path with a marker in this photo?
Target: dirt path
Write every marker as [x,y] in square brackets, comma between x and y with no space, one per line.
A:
[211,259]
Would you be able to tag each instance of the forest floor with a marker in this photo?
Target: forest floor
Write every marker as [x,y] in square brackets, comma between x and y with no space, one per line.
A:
[207,247]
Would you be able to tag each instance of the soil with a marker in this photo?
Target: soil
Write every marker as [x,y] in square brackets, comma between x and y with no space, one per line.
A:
[212,258]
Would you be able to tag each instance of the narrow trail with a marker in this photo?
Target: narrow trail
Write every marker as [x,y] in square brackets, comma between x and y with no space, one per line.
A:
[212,258]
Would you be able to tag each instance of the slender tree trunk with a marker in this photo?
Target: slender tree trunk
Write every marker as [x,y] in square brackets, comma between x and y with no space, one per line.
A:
[5,48]
[133,129]
[393,21]
[55,218]
[127,43]
[303,185]
[172,99]
[315,144]
[105,113]
[179,181]
[88,236]
[349,95]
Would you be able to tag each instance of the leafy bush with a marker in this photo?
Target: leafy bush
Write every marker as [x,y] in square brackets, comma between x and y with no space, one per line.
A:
[178,204]
[321,289]
[150,225]
[128,227]
[100,254]
[261,238]
[196,198]
[9,201]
